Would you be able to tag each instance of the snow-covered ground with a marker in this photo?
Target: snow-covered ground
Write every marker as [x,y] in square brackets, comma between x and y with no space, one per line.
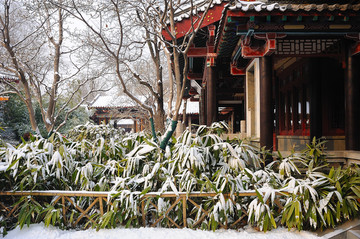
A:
[39,231]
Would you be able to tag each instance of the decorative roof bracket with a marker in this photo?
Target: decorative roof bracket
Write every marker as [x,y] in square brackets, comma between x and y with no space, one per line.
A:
[248,51]
[237,71]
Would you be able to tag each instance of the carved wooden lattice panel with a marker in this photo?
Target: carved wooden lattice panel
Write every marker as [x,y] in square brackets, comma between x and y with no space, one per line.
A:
[306,47]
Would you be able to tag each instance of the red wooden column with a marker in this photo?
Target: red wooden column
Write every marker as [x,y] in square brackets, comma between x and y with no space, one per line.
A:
[202,113]
[266,104]
[352,100]
[211,111]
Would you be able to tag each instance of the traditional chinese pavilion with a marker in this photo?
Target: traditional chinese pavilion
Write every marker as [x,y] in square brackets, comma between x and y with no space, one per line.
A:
[119,111]
[288,70]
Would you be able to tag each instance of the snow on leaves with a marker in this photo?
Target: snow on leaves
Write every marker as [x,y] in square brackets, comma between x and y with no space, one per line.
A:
[101,158]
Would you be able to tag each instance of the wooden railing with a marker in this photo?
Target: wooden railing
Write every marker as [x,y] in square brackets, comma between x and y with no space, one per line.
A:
[102,202]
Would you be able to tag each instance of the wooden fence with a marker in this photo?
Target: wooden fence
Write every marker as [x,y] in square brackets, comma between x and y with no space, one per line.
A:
[101,202]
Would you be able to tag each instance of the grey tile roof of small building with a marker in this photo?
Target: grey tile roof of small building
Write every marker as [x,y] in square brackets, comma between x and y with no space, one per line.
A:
[112,101]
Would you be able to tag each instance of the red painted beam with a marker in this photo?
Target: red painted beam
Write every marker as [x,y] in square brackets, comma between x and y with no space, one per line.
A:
[195,76]
[200,51]
[185,25]
[235,71]
[197,52]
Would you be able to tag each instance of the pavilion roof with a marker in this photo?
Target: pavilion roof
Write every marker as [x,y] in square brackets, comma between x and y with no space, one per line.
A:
[269,5]
[286,6]
[8,76]
[114,101]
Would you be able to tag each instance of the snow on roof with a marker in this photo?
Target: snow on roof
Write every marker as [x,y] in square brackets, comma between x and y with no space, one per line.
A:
[192,107]
[199,6]
[125,121]
[111,101]
[272,6]
[7,75]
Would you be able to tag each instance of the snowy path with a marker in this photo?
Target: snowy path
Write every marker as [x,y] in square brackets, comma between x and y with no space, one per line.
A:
[38,231]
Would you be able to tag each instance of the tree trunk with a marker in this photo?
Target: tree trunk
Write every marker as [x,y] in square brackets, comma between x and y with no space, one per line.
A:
[30,107]
[159,118]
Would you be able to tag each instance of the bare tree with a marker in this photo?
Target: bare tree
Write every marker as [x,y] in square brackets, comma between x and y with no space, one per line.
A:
[164,14]
[116,18]
[33,47]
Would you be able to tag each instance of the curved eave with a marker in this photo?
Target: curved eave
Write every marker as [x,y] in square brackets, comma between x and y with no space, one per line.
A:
[227,40]
[260,7]
[184,22]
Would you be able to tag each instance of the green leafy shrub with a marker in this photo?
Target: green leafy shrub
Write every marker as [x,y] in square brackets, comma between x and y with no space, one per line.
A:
[101,158]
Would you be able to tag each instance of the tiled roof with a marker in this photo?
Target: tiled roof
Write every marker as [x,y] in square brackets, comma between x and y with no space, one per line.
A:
[278,6]
[281,5]
[199,6]
[110,101]
[7,75]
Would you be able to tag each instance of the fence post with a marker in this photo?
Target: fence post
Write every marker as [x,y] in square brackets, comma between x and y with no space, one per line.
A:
[101,206]
[64,209]
[184,209]
[143,212]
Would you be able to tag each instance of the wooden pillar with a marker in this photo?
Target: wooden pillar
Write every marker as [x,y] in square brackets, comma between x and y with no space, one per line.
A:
[211,109]
[314,75]
[276,90]
[189,121]
[352,100]
[202,115]
[266,104]
[135,126]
